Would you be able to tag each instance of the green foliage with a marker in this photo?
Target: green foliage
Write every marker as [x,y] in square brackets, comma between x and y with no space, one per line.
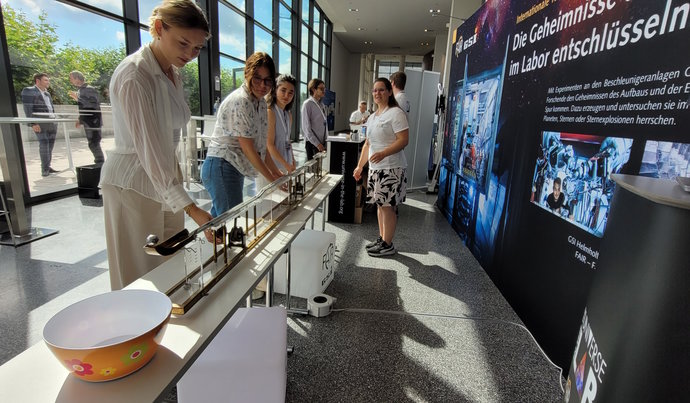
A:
[227,83]
[190,83]
[33,48]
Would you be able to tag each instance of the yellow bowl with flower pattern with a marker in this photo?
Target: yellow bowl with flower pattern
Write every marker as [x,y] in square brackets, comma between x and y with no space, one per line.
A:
[108,336]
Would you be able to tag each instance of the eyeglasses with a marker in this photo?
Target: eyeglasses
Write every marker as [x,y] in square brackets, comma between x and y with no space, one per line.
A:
[268,82]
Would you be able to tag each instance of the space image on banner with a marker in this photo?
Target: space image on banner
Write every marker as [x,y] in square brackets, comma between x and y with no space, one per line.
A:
[475,118]
[665,160]
[572,176]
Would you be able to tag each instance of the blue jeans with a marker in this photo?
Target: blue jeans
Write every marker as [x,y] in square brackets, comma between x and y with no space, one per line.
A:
[223,182]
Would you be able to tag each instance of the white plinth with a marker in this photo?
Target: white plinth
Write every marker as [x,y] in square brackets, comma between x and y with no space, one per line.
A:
[245,362]
[313,261]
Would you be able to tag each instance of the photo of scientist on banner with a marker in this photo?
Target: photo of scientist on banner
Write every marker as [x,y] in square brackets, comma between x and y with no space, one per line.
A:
[572,176]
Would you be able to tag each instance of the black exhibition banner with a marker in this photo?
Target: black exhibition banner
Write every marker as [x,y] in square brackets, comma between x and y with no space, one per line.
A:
[547,99]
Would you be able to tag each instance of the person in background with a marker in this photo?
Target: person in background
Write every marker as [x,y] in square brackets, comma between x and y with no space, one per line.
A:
[361,115]
[36,99]
[383,149]
[89,113]
[314,121]
[141,180]
[398,80]
[280,102]
[238,145]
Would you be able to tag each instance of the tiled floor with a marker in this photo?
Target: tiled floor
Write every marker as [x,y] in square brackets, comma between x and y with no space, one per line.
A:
[424,325]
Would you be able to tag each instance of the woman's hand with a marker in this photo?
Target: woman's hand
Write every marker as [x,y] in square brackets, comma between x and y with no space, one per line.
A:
[357,174]
[201,217]
[377,157]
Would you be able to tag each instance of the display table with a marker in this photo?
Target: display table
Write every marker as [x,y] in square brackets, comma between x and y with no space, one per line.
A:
[36,375]
[343,155]
[635,335]
[245,362]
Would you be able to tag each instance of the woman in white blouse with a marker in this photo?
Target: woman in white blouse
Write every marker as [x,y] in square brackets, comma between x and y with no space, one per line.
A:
[387,136]
[141,179]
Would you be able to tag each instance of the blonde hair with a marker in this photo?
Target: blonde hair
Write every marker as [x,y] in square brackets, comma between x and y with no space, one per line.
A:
[180,14]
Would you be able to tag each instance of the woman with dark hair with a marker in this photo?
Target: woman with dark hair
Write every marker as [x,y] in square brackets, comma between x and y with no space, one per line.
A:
[141,179]
[238,144]
[387,136]
[280,102]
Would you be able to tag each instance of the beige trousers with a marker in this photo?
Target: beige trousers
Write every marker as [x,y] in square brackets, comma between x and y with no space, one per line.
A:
[129,219]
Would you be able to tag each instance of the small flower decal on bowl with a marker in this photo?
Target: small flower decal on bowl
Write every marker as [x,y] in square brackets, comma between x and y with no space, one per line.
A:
[135,353]
[79,368]
[110,371]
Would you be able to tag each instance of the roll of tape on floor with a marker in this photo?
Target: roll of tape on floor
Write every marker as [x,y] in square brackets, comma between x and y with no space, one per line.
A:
[319,305]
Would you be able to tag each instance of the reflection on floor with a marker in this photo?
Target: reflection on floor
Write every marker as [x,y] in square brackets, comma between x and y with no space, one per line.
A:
[383,354]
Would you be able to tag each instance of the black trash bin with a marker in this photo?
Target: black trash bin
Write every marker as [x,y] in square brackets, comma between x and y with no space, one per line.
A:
[88,177]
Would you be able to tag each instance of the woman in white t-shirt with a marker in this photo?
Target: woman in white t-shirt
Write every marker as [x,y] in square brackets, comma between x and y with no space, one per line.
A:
[387,136]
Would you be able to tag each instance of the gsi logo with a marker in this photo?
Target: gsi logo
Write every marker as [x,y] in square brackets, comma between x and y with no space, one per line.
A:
[327,263]
[328,258]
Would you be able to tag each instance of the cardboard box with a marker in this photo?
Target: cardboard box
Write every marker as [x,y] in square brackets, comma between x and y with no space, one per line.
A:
[358,214]
[358,196]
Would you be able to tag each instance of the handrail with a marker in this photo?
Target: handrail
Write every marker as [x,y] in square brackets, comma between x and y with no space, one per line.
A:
[182,238]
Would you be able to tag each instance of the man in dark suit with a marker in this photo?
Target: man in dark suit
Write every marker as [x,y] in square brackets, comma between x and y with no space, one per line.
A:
[89,113]
[36,99]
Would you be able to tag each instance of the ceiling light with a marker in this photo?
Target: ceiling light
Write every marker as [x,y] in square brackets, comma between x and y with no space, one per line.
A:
[354,10]
[368,42]
[434,11]
[428,30]
[361,29]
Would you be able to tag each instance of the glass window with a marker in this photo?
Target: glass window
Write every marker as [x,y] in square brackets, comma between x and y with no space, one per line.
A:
[314,46]
[317,19]
[305,39]
[314,69]
[387,68]
[231,32]
[305,11]
[263,12]
[303,68]
[284,58]
[323,54]
[145,36]
[114,7]
[190,83]
[145,9]
[303,93]
[59,29]
[327,31]
[237,3]
[231,75]
[263,41]
[285,23]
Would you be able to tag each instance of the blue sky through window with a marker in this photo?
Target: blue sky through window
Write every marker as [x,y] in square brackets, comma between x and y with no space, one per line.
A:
[74,25]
